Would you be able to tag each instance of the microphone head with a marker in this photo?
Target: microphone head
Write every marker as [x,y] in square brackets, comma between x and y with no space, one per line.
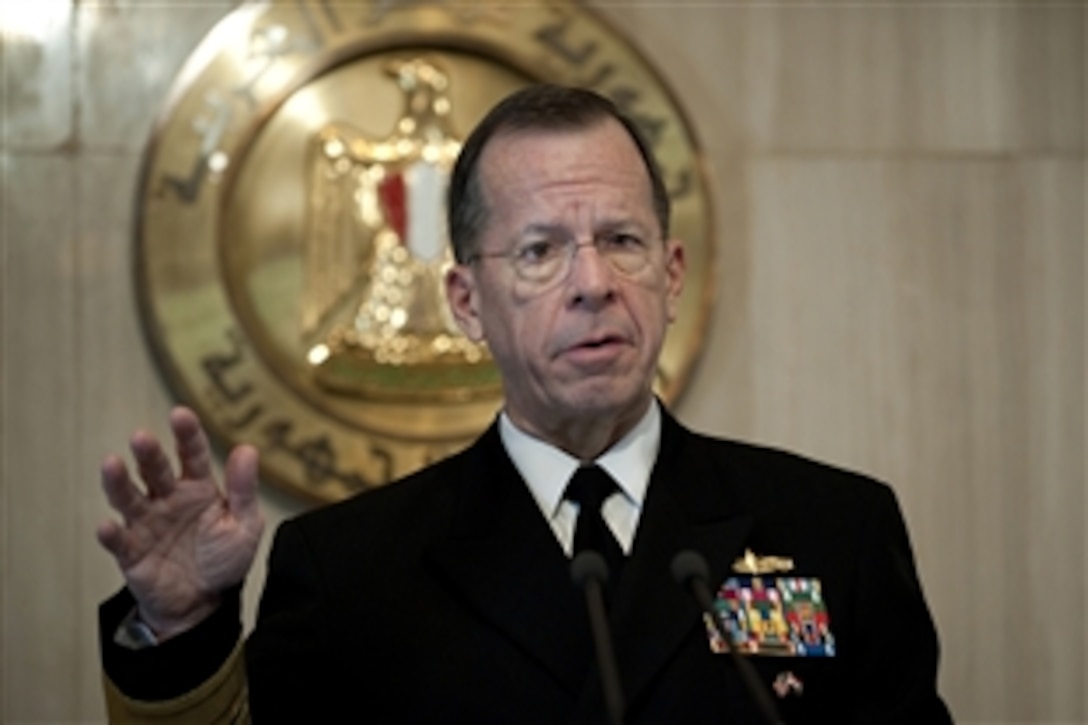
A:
[688,565]
[588,565]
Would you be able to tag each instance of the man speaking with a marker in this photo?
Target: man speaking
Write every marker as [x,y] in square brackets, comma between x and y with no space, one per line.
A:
[447,596]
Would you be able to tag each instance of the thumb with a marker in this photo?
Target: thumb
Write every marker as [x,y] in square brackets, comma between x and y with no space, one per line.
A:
[112,538]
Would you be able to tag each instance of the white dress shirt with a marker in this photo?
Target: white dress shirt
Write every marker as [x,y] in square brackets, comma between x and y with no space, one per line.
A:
[547,470]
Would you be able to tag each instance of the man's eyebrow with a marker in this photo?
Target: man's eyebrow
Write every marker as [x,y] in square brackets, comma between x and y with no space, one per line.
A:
[548,229]
[622,225]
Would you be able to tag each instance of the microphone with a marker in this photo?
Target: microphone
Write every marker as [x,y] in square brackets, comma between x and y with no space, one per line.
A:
[589,572]
[690,571]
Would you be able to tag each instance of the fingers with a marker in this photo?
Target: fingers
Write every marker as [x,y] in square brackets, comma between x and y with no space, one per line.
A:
[154,465]
[157,472]
[241,480]
[123,495]
[194,453]
[129,502]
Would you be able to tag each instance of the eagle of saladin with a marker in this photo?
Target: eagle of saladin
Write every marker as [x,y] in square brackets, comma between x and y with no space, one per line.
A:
[375,322]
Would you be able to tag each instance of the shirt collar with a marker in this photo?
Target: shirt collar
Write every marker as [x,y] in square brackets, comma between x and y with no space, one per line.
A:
[547,469]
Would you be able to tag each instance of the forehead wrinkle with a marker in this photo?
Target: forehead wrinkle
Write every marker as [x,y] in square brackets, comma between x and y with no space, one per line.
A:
[572,183]
[544,229]
[566,195]
[594,202]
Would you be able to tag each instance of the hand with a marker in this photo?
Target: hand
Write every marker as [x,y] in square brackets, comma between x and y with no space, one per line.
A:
[184,540]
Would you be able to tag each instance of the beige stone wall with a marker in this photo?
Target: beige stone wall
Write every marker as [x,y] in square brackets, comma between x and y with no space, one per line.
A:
[901,190]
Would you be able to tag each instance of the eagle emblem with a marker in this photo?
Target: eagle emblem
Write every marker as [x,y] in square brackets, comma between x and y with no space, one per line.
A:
[374,316]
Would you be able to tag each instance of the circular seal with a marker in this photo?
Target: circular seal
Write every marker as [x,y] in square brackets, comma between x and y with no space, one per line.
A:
[290,236]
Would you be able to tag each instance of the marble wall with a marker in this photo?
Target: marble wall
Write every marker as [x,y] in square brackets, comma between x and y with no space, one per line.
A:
[901,199]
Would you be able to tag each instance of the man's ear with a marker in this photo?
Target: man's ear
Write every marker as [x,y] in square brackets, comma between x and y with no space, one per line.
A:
[463,299]
[675,270]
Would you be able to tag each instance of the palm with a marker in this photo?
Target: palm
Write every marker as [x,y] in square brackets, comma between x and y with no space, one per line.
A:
[186,547]
[184,539]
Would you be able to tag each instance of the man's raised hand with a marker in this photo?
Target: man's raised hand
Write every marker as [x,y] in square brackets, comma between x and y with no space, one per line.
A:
[183,540]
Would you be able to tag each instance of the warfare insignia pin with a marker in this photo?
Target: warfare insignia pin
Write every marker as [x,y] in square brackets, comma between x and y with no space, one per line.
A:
[752,564]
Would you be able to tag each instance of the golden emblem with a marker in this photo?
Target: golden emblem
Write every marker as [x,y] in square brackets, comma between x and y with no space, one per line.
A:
[290,234]
[377,228]
[752,564]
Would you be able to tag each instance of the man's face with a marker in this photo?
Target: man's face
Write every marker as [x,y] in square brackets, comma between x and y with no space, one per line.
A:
[586,344]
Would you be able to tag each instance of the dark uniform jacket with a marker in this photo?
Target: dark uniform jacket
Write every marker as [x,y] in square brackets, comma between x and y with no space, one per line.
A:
[445,597]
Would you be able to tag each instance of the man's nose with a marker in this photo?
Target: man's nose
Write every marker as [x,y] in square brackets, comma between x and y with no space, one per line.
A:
[591,275]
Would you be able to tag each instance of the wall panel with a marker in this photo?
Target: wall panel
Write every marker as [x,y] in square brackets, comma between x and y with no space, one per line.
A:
[38,485]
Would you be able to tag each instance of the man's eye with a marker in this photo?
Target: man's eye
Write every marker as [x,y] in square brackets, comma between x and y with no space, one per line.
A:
[628,242]
[536,252]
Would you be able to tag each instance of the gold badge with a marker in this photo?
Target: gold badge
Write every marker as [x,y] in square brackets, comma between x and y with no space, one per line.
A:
[752,564]
[290,232]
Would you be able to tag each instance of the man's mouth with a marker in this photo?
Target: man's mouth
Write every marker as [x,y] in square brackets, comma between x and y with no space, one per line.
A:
[595,350]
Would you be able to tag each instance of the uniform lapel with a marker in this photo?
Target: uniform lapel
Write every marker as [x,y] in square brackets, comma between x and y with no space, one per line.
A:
[689,505]
[503,560]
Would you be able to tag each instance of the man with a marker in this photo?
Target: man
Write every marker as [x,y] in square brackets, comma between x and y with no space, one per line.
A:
[446,597]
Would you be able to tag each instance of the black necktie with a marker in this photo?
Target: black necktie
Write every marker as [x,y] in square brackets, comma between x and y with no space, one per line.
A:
[589,487]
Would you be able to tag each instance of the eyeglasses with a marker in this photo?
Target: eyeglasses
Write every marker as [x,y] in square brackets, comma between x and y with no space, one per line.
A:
[541,261]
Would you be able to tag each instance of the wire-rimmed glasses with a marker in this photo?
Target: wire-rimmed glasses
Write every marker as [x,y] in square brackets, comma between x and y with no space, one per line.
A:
[541,260]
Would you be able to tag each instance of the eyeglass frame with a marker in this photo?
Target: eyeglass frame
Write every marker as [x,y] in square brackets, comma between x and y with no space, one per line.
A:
[569,246]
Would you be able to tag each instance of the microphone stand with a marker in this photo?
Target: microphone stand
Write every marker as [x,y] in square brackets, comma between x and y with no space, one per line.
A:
[690,570]
[589,570]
